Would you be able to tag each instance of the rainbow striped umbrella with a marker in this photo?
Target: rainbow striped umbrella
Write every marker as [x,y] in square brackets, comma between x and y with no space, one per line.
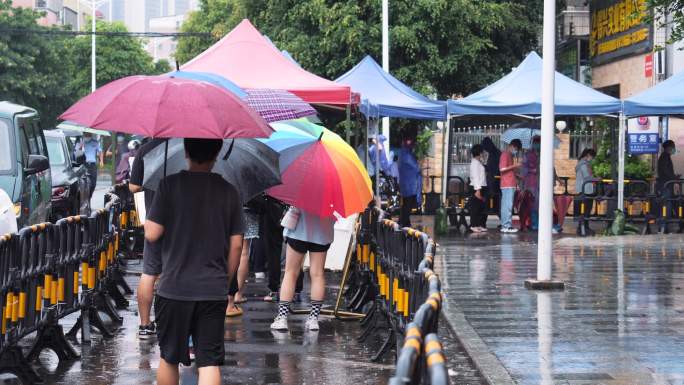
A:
[321,173]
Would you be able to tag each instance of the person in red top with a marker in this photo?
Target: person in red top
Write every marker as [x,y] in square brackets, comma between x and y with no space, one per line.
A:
[508,167]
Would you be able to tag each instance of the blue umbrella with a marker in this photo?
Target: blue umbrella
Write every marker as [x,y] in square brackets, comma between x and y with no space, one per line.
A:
[216,80]
[525,135]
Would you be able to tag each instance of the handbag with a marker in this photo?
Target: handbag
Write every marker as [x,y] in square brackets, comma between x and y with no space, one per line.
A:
[291,218]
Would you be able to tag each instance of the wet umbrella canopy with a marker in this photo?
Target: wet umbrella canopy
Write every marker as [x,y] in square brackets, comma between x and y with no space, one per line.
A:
[249,165]
[168,107]
[524,133]
[321,173]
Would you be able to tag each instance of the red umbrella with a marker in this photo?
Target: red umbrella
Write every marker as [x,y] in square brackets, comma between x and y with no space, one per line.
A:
[166,107]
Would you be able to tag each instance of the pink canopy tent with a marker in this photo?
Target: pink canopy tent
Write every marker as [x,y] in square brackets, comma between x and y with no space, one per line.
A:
[248,59]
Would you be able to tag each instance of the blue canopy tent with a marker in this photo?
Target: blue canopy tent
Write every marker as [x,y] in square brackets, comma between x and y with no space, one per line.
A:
[519,93]
[383,95]
[393,98]
[665,98]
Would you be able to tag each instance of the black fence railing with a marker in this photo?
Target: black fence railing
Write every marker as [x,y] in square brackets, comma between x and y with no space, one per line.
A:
[393,283]
[644,204]
[51,270]
[132,235]
[597,202]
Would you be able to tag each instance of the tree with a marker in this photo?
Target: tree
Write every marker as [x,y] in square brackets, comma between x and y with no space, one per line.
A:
[216,17]
[674,8]
[437,46]
[34,69]
[49,72]
[161,66]
[117,56]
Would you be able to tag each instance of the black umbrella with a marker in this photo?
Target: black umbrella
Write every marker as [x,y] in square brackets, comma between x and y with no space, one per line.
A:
[249,165]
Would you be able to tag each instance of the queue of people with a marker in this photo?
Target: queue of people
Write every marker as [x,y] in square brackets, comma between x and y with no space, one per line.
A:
[510,179]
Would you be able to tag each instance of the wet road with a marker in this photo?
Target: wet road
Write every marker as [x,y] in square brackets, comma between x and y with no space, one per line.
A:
[254,354]
[619,321]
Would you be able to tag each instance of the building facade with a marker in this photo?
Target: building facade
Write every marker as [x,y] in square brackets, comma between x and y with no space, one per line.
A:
[629,53]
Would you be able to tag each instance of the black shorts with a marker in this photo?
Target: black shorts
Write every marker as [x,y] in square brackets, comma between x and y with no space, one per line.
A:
[304,247]
[152,259]
[177,321]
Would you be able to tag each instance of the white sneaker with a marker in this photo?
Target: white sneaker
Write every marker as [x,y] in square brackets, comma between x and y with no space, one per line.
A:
[311,324]
[279,323]
[483,229]
[554,231]
[259,275]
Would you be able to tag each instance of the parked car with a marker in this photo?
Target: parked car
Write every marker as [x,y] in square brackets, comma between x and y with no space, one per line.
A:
[70,186]
[24,164]
[8,221]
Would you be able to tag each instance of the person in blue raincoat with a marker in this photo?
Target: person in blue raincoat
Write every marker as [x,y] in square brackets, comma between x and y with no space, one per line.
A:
[410,182]
[384,161]
[372,153]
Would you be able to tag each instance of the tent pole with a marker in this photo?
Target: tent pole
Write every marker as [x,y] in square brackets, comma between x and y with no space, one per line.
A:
[365,146]
[347,129]
[377,166]
[385,60]
[445,154]
[621,162]
[545,247]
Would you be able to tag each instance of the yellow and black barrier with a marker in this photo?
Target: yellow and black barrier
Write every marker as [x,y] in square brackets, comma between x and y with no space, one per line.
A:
[49,271]
[131,233]
[394,264]
[671,206]
[597,202]
[456,204]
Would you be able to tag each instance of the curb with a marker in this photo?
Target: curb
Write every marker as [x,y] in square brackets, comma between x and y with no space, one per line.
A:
[485,361]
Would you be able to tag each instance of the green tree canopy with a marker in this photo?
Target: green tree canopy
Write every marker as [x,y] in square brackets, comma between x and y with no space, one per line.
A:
[49,72]
[674,8]
[437,46]
[34,70]
[117,56]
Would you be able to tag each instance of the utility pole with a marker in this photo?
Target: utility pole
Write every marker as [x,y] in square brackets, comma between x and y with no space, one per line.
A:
[545,245]
[93,84]
[385,60]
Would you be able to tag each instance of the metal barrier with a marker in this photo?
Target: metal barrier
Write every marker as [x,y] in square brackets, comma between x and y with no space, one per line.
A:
[132,236]
[456,205]
[638,203]
[671,201]
[394,283]
[49,271]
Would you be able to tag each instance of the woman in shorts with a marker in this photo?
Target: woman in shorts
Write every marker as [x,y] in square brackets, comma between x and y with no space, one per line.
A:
[312,234]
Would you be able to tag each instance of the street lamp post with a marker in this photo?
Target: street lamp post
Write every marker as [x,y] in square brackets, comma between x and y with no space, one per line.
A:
[93,62]
[93,84]
[385,58]
[545,245]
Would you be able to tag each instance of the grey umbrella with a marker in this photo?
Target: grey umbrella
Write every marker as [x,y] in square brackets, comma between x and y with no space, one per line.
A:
[249,165]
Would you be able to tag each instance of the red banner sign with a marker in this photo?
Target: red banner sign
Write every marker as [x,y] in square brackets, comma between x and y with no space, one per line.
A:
[648,65]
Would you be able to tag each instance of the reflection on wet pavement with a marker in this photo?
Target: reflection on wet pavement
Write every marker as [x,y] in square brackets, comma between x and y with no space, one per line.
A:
[619,321]
[254,354]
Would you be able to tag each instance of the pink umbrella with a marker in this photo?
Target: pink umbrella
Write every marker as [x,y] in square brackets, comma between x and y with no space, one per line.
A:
[166,107]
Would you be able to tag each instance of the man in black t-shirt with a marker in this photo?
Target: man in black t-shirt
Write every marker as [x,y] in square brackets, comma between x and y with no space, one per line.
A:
[152,250]
[200,217]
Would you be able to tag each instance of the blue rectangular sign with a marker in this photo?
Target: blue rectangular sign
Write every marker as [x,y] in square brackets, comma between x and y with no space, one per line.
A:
[643,143]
